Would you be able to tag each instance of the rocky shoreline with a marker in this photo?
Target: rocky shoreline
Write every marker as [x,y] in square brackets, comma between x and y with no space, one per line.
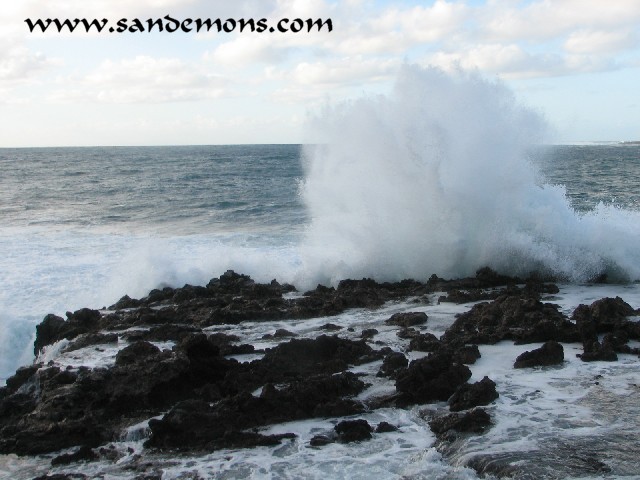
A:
[171,367]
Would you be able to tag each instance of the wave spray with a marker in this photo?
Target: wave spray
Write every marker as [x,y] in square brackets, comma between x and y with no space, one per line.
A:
[436,178]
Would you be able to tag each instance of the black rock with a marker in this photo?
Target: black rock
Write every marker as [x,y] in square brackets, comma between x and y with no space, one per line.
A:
[83,454]
[353,430]
[473,395]
[392,364]
[385,427]
[407,319]
[550,353]
[429,379]
[136,352]
[475,421]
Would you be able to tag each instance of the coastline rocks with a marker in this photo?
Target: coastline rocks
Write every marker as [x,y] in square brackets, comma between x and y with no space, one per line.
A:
[393,363]
[407,319]
[550,353]
[196,424]
[353,430]
[517,318]
[429,379]
[474,421]
[473,395]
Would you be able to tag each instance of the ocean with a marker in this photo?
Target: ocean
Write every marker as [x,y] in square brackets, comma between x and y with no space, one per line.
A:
[387,193]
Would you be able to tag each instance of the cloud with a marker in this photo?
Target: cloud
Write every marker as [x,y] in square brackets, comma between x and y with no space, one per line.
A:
[344,71]
[545,19]
[20,65]
[600,42]
[142,80]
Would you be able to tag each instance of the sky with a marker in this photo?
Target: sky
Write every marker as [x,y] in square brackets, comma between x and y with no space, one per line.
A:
[577,62]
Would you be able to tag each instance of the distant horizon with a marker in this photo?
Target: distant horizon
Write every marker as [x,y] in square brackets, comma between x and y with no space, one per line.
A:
[576,143]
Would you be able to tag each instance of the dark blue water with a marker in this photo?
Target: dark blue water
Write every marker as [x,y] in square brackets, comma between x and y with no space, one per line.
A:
[182,190]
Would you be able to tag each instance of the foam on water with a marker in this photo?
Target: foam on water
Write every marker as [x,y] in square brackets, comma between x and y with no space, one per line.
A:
[436,178]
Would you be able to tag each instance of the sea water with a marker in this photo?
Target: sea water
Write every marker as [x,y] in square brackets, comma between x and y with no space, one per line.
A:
[444,175]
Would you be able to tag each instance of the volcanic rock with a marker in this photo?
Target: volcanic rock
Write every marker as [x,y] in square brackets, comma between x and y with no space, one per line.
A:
[432,378]
[550,353]
[353,430]
[475,421]
[473,395]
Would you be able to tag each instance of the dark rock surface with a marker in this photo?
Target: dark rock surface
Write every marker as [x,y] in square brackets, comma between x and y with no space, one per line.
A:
[430,379]
[353,430]
[407,319]
[522,319]
[473,395]
[550,353]
[393,363]
[475,421]
[203,400]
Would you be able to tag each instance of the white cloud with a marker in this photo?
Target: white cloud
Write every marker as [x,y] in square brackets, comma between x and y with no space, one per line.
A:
[245,50]
[344,71]
[599,41]
[546,19]
[142,80]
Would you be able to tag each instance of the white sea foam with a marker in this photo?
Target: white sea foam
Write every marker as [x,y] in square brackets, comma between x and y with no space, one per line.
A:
[435,178]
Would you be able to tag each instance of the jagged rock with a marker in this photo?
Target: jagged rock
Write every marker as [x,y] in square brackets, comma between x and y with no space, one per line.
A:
[467,354]
[330,327]
[136,352]
[393,363]
[325,354]
[473,395]
[475,421]
[550,353]
[353,430]
[517,318]
[385,427]
[407,319]
[594,352]
[321,440]
[369,333]
[425,342]
[432,378]
[196,424]
[83,454]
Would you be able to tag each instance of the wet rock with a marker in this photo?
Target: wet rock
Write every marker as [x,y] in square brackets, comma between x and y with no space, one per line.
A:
[550,353]
[393,363]
[596,352]
[473,395]
[467,354]
[425,342]
[407,319]
[519,318]
[83,454]
[474,421]
[283,333]
[196,424]
[429,379]
[330,327]
[385,427]
[91,339]
[326,354]
[321,440]
[368,333]
[48,331]
[136,352]
[125,302]
[353,430]
[22,376]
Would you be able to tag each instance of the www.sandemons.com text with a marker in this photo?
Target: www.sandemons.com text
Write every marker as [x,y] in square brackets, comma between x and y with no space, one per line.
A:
[170,24]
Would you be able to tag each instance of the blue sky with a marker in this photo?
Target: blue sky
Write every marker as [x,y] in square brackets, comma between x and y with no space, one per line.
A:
[575,61]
